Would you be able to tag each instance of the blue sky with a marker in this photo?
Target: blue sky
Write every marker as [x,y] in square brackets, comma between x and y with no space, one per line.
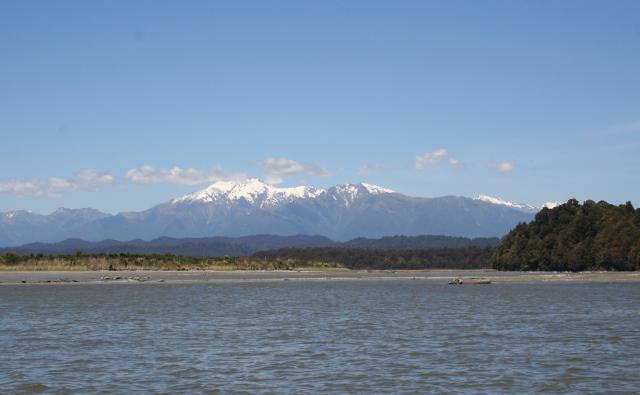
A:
[528,101]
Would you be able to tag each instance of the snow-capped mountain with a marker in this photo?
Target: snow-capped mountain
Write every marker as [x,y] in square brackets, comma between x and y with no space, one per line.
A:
[252,191]
[258,193]
[501,202]
[349,193]
[253,207]
[519,206]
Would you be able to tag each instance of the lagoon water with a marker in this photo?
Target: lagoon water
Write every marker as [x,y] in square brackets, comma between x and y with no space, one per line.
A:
[398,336]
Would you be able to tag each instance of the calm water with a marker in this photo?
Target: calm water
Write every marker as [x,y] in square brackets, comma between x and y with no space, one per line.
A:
[330,337]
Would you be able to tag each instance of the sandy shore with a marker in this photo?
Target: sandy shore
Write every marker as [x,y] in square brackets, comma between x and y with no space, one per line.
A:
[443,276]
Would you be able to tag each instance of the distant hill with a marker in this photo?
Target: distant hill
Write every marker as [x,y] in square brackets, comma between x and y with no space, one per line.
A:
[575,237]
[241,246]
[419,242]
[459,257]
[342,212]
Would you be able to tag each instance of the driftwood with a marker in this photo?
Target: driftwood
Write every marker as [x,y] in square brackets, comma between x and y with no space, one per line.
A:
[472,280]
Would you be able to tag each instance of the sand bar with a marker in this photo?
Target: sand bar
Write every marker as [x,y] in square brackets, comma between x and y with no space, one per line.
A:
[443,276]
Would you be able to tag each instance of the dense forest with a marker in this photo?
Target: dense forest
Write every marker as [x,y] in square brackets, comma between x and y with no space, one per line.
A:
[574,237]
[418,242]
[363,258]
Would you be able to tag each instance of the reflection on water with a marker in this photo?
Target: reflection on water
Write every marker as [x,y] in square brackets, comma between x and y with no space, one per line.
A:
[308,337]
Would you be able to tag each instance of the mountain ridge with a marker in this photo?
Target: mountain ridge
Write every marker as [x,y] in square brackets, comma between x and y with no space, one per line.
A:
[521,206]
[241,246]
[235,209]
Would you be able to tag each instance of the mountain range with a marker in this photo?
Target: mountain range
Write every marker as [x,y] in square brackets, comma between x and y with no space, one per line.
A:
[251,207]
[242,246]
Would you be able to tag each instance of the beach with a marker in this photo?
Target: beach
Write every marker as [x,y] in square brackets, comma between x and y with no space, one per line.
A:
[204,276]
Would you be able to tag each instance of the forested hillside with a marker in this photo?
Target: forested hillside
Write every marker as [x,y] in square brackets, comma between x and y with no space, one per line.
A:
[471,257]
[575,237]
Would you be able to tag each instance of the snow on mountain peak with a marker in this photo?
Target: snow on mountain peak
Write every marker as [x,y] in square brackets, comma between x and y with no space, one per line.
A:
[519,206]
[501,202]
[251,190]
[374,189]
[349,192]
[257,192]
[9,214]
[14,213]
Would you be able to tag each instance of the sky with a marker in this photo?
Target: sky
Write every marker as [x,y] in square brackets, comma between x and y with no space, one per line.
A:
[122,105]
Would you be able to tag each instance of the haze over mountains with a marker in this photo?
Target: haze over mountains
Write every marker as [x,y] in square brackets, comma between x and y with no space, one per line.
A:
[242,246]
[251,207]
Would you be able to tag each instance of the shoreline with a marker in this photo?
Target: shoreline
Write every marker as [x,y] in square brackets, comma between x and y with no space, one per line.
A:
[205,276]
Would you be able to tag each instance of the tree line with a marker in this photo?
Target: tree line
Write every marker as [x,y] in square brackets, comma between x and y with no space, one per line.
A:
[471,257]
[574,237]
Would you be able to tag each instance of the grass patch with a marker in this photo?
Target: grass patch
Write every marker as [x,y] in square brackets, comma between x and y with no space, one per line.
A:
[89,262]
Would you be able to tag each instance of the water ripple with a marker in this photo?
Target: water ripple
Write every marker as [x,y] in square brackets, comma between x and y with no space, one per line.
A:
[320,337]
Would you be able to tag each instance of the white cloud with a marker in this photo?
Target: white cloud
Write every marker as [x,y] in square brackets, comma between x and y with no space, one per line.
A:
[278,168]
[20,187]
[368,169]
[505,167]
[175,175]
[455,163]
[57,186]
[435,157]
[92,178]
[430,158]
